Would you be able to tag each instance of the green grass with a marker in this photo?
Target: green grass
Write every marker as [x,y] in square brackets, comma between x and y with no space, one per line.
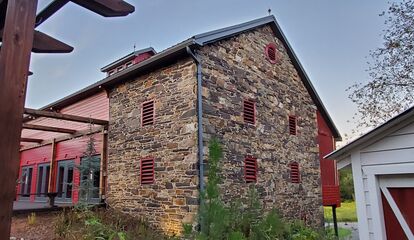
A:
[345,213]
[343,233]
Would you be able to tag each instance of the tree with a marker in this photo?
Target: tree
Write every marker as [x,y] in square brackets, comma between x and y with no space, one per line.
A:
[88,168]
[391,70]
[346,183]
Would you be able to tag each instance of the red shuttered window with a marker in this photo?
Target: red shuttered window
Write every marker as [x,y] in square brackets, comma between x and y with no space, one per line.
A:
[250,169]
[294,172]
[249,111]
[292,125]
[147,171]
[271,53]
[147,113]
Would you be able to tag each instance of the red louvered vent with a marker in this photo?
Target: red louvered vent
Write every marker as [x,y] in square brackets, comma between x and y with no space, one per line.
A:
[294,172]
[147,113]
[249,111]
[292,125]
[250,169]
[147,171]
[271,53]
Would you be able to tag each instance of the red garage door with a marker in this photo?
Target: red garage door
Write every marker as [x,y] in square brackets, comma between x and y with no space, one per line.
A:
[398,207]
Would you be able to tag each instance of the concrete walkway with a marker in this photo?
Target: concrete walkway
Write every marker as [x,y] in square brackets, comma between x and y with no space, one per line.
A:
[26,205]
[353,226]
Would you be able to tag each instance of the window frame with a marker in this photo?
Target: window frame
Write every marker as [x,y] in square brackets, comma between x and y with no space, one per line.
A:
[295,176]
[142,113]
[147,182]
[274,47]
[252,163]
[293,125]
[252,101]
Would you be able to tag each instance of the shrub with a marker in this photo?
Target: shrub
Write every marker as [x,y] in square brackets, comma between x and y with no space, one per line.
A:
[84,222]
[346,183]
[237,220]
[241,220]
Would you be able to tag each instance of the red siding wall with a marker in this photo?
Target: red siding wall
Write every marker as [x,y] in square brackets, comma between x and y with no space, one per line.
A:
[33,158]
[142,57]
[329,173]
[96,106]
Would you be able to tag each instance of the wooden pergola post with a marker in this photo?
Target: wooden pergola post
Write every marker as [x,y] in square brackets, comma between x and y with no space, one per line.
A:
[17,23]
[52,174]
[103,165]
[15,53]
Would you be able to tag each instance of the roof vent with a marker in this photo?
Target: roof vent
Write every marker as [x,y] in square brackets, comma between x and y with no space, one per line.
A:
[271,53]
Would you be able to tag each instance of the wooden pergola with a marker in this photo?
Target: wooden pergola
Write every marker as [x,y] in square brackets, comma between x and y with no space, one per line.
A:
[18,37]
[69,133]
[60,116]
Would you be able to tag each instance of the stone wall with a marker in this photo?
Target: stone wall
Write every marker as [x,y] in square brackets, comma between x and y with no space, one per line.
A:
[173,198]
[233,70]
[236,69]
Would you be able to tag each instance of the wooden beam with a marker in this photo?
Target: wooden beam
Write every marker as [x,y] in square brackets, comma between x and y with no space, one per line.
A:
[43,43]
[3,8]
[52,173]
[103,170]
[64,138]
[47,128]
[107,8]
[15,53]
[62,116]
[49,10]
[34,140]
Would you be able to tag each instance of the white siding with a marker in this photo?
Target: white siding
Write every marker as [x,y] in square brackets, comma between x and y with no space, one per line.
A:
[390,155]
[397,147]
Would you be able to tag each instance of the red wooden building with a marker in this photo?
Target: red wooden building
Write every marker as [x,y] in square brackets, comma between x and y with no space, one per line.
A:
[60,152]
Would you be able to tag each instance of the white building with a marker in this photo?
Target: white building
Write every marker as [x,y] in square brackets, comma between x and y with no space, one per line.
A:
[383,169]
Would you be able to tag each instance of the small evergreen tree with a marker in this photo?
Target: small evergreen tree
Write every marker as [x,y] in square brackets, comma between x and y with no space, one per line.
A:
[236,221]
[88,167]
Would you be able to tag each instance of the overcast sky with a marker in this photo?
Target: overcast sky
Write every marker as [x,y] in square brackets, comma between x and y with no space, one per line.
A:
[332,39]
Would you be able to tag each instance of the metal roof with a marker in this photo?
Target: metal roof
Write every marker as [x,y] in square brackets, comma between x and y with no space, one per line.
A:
[344,151]
[127,57]
[171,54]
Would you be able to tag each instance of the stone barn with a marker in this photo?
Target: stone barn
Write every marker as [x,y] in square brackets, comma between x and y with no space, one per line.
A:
[242,84]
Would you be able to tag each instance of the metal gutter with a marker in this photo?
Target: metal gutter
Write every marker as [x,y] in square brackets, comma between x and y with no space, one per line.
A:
[199,118]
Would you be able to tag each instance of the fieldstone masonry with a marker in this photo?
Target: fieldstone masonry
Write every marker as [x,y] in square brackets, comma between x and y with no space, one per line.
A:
[172,141]
[233,70]
[236,69]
